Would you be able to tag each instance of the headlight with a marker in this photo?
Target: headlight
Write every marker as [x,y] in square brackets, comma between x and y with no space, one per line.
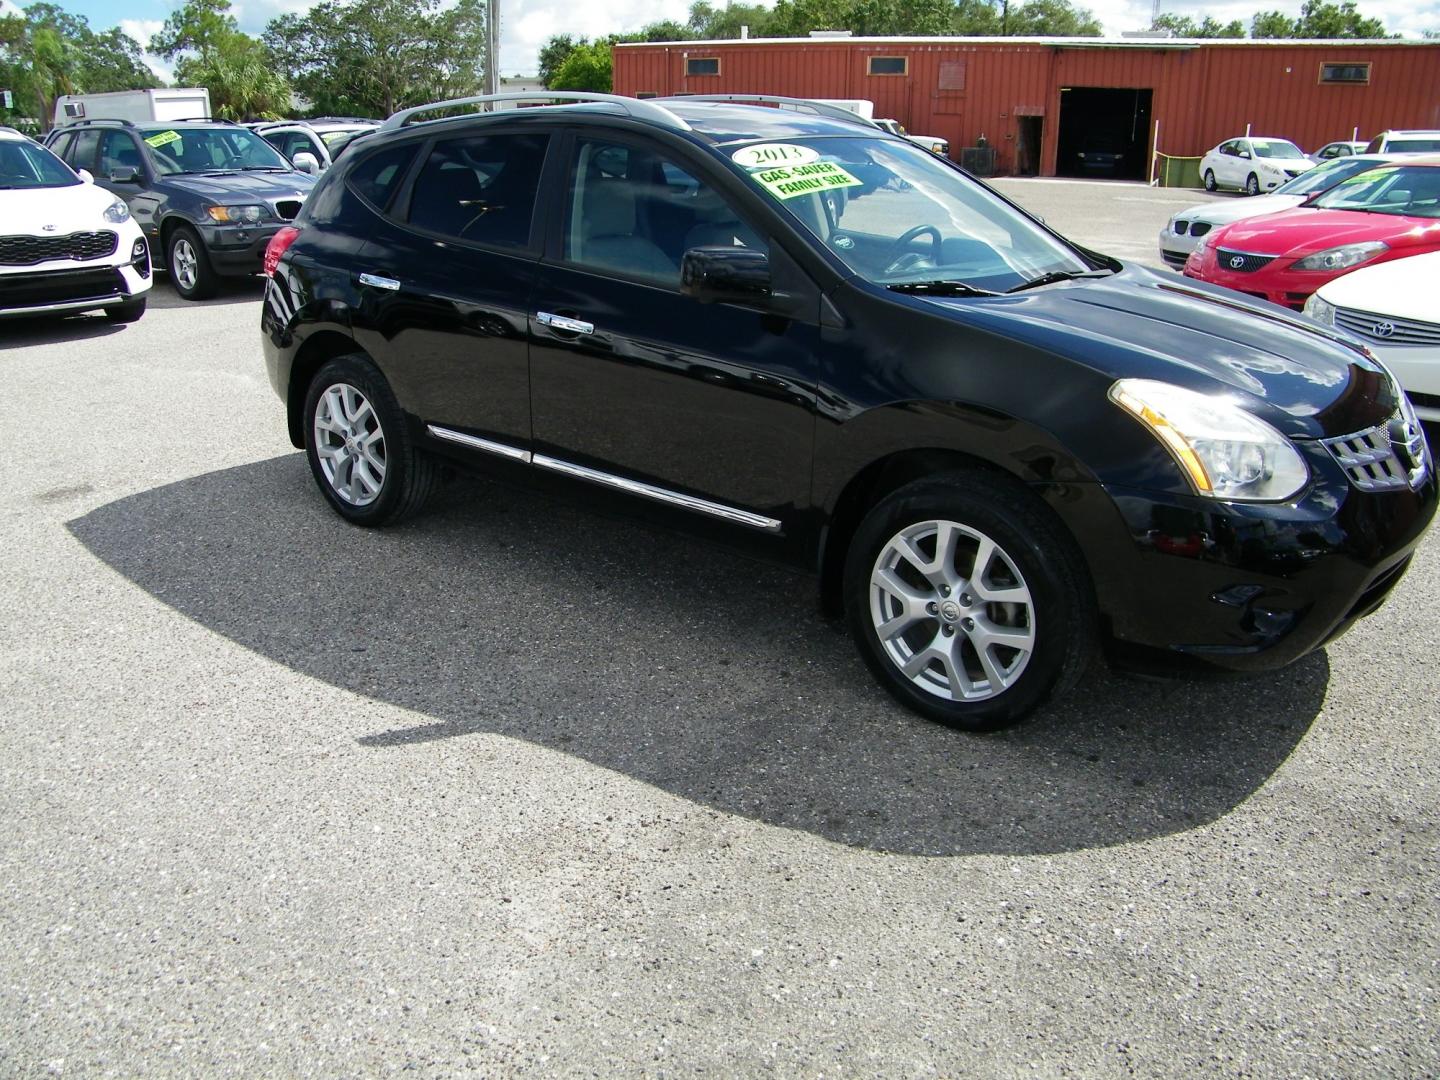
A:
[1224,451]
[1322,311]
[117,211]
[238,215]
[1201,246]
[1342,257]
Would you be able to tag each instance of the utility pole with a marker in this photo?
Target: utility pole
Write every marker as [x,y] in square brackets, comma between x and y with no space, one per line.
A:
[492,46]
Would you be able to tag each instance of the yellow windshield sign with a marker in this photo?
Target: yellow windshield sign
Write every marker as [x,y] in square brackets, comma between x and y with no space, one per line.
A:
[795,180]
[165,138]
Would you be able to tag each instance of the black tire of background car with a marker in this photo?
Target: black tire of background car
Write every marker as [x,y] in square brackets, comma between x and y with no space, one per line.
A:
[1210,184]
[1044,553]
[410,473]
[1252,185]
[127,312]
[206,280]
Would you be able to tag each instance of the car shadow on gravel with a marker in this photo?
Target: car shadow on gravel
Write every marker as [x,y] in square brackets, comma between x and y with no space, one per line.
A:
[709,676]
[16,333]
[243,290]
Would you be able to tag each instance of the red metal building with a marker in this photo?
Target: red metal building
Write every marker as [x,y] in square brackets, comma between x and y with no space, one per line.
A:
[1040,101]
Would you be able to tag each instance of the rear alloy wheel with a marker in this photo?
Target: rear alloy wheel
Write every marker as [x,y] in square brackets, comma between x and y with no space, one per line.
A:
[1252,185]
[358,447]
[190,270]
[128,312]
[968,601]
[1210,184]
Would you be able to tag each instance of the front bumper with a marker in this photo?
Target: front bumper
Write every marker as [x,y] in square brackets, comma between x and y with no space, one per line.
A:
[238,251]
[1175,249]
[72,288]
[1276,283]
[1192,582]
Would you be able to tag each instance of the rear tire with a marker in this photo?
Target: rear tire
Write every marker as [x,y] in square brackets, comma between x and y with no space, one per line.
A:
[1252,185]
[969,601]
[128,312]
[1210,184]
[359,446]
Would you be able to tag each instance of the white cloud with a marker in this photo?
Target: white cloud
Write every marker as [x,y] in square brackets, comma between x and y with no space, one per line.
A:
[142,30]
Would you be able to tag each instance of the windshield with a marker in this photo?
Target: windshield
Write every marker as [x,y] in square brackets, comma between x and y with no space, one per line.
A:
[1323,177]
[1407,192]
[894,213]
[208,150]
[28,165]
[1276,148]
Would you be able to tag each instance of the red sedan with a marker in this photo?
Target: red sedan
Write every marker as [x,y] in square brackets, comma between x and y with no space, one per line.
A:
[1384,213]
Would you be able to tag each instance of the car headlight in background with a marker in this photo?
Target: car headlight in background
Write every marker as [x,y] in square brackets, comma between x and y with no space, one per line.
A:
[1224,451]
[1342,257]
[1322,311]
[238,215]
[117,212]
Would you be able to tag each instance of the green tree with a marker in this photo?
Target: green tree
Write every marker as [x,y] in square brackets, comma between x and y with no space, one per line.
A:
[1319,19]
[1186,27]
[710,23]
[866,18]
[210,51]
[974,18]
[587,67]
[1052,18]
[554,52]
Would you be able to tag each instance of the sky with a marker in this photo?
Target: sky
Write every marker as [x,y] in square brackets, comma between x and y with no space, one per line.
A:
[526,24]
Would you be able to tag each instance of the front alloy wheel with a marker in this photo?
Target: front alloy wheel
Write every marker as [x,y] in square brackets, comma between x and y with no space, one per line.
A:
[350,444]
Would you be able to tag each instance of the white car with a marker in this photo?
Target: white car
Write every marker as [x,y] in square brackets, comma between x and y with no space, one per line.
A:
[1183,231]
[934,143]
[65,244]
[1405,142]
[1253,164]
[1391,308]
[1331,151]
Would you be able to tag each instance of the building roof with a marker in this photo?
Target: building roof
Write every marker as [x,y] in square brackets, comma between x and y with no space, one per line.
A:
[1054,42]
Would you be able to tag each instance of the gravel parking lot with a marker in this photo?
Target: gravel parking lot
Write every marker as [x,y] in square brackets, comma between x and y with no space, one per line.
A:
[514,789]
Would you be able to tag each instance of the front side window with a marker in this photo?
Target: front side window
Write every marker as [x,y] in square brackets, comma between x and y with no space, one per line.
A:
[81,154]
[118,153]
[1405,192]
[27,165]
[895,214]
[633,213]
[210,150]
[480,189]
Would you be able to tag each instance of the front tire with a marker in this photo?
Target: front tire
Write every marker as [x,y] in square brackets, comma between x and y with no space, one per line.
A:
[1252,185]
[359,447]
[189,266]
[126,313]
[968,601]
[1210,184]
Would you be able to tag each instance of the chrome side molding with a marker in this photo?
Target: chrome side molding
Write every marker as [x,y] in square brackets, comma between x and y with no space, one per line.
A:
[610,480]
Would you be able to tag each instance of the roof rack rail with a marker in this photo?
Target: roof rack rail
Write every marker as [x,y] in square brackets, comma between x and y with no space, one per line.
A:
[641,110]
[194,120]
[95,120]
[820,108]
[342,120]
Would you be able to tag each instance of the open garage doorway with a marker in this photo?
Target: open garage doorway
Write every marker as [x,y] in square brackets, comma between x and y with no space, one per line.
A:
[1104,133]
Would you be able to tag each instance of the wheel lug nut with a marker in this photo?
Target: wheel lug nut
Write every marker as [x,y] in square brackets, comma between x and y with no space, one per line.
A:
[932,607]
[948,630]
[944,590]
[966,599]
[968,624]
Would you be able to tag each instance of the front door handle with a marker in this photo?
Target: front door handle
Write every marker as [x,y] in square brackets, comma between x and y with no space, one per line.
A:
[560,322]
[379,282]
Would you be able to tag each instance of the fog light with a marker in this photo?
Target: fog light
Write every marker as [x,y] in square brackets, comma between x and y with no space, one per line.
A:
[140,257]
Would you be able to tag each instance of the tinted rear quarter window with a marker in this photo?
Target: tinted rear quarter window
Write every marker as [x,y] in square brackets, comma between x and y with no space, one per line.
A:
[377,178]
[480,189]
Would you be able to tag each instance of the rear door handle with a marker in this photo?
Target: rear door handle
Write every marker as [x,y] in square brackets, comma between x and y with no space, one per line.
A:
[560,322]
[379,282]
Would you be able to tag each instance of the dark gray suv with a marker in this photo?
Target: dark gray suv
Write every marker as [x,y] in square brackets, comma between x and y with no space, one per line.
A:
[207,194]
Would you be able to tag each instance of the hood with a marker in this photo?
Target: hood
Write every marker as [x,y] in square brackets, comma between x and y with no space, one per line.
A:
[1223,213]
[1304,230]
[237,187]
[1401,289]
[78,208]
[1301,378]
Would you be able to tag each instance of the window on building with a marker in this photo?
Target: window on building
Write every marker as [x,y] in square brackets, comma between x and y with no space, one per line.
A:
[889,65]
[1345,73]
[702,65]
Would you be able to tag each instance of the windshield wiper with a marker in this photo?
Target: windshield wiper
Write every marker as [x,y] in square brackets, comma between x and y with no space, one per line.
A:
[1058,276]
[940,288]
[263,168]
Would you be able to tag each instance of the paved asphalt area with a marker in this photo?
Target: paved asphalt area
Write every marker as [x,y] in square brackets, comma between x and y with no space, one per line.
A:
[514,789]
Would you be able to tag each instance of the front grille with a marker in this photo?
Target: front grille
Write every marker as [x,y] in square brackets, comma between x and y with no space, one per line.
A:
[1242,262]
[1174,259]
[1387,457]
[288,208]
[1425,401]
[80,246]
[1385,330]
[1200,228]
[57,287]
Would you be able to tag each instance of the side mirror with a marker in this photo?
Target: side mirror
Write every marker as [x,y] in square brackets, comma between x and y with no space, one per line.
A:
[306,162]
[725,275]
[1245,154]
[85,176]
[125,175]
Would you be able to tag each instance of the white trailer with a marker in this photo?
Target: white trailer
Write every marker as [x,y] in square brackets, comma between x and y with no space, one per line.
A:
[137,106]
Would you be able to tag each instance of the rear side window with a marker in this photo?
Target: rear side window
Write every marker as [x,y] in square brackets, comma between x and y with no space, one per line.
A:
[81,153]
[377,178]
[480,189]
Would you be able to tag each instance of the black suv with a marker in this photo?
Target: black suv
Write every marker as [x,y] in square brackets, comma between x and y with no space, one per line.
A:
[792,331]
[208,194]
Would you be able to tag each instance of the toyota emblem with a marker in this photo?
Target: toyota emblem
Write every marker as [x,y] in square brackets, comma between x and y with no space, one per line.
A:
[1237,261]
[1383,329]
